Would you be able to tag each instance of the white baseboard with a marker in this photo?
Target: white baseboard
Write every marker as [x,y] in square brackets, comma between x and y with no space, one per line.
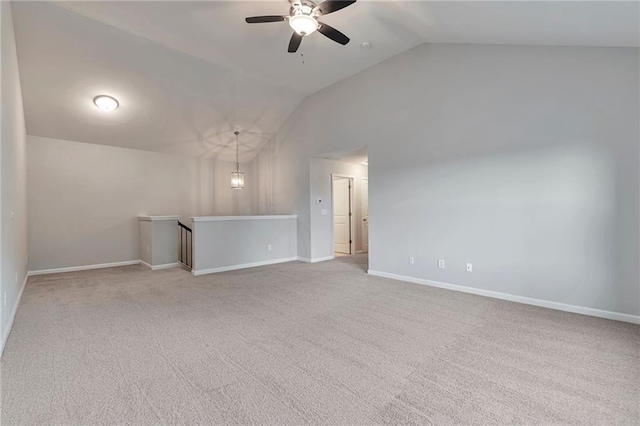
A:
[315,260]
[158,267]
[5,335]
[83,268]
[635,319]
[165,266]
[241,266]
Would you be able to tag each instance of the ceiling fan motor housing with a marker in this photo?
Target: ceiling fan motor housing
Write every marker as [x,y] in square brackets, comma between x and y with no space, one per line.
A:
[302,7]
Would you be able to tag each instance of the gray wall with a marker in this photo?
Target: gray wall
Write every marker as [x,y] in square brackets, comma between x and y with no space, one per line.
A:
[159,240]
[13,229]
[165,242]
[85,199]
[522,160]
[282,167]
[223,244]
[145,229]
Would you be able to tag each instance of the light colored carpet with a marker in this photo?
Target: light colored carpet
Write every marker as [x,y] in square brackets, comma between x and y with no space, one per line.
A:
[305,343]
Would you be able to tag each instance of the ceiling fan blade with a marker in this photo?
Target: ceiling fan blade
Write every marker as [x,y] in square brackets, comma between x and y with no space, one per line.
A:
[333,34]
[294,43]
[263,19]
[331,6]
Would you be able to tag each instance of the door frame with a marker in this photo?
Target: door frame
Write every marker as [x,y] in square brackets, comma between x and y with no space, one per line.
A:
[352,217]
[362,230]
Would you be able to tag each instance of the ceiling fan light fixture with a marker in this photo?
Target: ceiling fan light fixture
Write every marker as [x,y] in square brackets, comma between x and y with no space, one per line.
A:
[303,24]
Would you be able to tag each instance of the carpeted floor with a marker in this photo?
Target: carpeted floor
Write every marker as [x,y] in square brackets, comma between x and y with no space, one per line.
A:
[305,343]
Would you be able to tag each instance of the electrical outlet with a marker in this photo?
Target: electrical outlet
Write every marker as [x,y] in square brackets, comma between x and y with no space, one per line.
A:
[410,260]
[441,263]
[324,212]
[13,214]
[269,247]
[469,267]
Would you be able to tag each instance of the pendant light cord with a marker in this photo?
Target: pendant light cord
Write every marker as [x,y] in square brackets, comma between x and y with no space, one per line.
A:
[237,158]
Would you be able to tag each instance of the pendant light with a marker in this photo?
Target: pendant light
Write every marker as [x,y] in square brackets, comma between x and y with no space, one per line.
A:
[237,177]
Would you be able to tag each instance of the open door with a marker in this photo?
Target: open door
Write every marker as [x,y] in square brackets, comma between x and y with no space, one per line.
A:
[342,215]
[365,215]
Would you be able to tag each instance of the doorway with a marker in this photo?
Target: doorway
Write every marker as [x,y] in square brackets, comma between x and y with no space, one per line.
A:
[342,190]
[364,196]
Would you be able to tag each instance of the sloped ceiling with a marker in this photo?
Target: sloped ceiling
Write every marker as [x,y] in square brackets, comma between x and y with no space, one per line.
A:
[187,74]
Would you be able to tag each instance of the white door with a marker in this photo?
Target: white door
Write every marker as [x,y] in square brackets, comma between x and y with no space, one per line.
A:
[341,219]
[365,215]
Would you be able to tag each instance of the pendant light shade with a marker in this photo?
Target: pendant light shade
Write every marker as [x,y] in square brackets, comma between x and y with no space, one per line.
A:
[237,177]
[237,180]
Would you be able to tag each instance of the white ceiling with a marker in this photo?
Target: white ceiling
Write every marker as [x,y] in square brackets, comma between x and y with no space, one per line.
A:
[188,73]
[359,156]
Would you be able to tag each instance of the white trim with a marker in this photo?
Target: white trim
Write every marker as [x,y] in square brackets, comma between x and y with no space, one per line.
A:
[316,260]
[155,218]
[635,319]
[158,267]
[362,224]
[222,218]
[241,266]
[5,336]
[83,268]
[165,266]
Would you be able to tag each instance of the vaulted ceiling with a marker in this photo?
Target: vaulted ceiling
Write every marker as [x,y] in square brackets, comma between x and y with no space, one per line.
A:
[187,74]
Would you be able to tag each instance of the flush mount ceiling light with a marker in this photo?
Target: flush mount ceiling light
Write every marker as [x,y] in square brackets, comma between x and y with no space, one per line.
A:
[106,103]
[237,177]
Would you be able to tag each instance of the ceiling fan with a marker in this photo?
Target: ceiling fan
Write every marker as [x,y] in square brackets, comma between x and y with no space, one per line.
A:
[303,19]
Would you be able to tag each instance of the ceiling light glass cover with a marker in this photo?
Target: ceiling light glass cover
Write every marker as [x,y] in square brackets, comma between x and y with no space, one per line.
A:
[237,177]
[106,103]
[303,24]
